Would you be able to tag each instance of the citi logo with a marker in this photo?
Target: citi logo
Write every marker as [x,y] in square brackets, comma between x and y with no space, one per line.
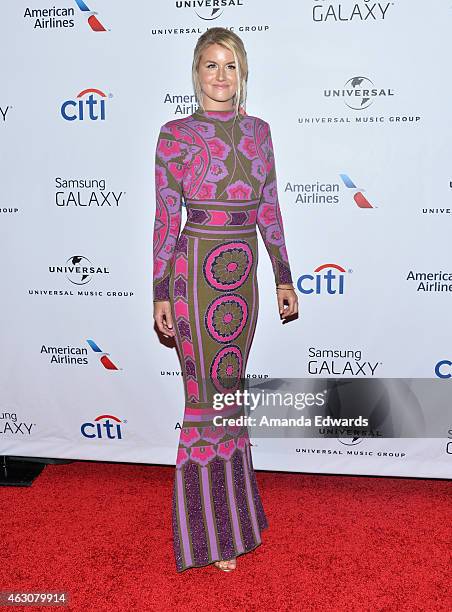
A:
[443,368]
[92,18]
[104,427]
[88,105]
[327,278]
[360,200]
[103,357]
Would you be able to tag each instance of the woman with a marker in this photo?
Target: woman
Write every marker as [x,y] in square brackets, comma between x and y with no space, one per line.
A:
[220,162]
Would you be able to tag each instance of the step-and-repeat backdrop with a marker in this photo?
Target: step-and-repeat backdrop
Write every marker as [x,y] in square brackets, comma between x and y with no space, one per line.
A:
[359,102]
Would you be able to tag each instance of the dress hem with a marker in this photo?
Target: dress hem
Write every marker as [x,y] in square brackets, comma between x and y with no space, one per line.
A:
[193,566]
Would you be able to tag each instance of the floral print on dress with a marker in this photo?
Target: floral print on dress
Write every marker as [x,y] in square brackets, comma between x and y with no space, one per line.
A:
[203,455]
[247,125]
[222,169]
[258,170]
[274,236]
[207,191]
[217,171]
[161,179]
[269,218]
[218,148]
[193,161]
[247,146]
[171,199]
[213,433]
[206,130]
[189,435]
[239,191]
[168,149]
[267,214]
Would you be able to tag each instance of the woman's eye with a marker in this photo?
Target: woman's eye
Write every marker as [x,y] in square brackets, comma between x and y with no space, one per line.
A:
[214,65]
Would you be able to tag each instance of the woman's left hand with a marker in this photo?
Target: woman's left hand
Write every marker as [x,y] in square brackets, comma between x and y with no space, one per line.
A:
[286,293]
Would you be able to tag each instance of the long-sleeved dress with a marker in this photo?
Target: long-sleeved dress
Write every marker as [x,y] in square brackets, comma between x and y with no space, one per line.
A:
[221,165]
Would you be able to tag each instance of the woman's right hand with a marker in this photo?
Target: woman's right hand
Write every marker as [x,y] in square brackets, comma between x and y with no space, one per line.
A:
[164,318]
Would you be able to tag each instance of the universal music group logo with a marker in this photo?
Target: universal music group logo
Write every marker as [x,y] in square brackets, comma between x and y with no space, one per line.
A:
[208,10]
[78,271]
[359,93]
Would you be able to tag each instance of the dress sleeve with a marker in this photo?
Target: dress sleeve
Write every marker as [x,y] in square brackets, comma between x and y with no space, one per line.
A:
[269,218]
[168,206]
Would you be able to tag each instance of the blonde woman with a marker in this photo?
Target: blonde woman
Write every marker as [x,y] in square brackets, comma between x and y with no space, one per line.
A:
[220,162]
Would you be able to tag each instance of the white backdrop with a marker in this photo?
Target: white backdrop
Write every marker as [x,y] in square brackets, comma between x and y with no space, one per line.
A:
[77,188]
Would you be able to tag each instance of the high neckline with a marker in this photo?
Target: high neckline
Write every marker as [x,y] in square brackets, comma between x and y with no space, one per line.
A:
[220,115]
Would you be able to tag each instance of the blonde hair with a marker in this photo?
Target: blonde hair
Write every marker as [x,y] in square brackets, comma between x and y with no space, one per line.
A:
[229,40]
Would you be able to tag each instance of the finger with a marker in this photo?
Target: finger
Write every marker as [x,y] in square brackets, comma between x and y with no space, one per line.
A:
[169,332]
[160,322]
[293,304]
[169,319]
[168,324]
[286,312]
[159,314]
[291,308]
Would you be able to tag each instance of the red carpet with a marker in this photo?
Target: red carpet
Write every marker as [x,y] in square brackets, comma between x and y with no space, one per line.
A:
[102,532]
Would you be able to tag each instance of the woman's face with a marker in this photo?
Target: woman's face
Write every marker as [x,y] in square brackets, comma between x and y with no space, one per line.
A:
[218,77]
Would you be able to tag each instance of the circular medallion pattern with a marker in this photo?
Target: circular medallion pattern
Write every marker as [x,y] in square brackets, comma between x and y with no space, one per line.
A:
[226,316]
[228,265]
[226,368]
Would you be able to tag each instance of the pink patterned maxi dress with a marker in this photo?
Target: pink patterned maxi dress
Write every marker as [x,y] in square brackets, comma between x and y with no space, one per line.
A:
[221,166]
